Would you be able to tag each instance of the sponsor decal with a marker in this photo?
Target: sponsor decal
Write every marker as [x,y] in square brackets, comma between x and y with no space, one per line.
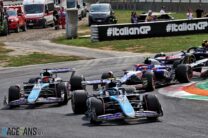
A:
[20,131]
[186,26]
[111,116]
[126,31]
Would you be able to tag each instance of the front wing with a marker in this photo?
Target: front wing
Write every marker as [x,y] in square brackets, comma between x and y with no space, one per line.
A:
[138,114]
[23,101]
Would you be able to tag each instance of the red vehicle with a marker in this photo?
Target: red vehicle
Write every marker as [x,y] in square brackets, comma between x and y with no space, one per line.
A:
[16,19]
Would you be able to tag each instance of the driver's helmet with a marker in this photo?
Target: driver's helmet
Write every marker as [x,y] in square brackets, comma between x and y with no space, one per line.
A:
[45,79]
[151,61]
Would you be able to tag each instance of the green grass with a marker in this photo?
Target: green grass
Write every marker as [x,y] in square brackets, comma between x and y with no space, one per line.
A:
[3,52]
[39,58]
[34,58]
[150,45]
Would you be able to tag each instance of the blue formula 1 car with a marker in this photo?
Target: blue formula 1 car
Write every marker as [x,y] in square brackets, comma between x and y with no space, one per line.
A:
[46,89]
[113,103]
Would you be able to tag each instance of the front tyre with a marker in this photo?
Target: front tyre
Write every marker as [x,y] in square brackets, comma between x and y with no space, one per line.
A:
[150,83]
[62,93]
[95,108]
[78,101]
[183,73]
[14,93]
[151,103]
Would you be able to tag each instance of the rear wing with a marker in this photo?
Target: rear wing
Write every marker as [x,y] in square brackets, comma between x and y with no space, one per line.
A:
[96,82]
[55,71]
[60,70]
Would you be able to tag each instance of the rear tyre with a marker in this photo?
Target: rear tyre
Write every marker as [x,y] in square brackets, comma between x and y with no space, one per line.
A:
[62,93]
[14,93]
[130,90]
[151,103]
[150,83]
[183,73]
[76,83]
[78,101]
[96,108]
[188,59]
[106,75]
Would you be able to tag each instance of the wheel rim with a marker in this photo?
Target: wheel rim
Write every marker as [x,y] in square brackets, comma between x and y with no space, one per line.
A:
[189,73]
[72,103]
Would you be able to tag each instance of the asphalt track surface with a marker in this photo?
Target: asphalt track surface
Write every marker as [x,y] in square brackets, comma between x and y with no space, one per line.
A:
[182,118]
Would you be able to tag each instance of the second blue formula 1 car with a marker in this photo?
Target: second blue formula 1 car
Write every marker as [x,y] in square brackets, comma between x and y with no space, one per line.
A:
[113,103]
[48,88]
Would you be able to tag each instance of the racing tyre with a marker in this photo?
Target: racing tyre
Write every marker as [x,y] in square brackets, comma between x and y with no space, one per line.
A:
[188,59]
[78,101]
[130,90]
[33,80]
[76,83]
[96,108]
[14,93]
[192,50]
[183,73]
[62,93]
[106,75]
[151,103]
[150,83]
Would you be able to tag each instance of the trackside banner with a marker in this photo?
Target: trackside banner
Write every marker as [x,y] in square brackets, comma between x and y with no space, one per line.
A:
[152,29]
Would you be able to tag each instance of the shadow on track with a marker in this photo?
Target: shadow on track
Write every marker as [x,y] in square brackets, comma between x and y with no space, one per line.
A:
[121,122]
[29,107]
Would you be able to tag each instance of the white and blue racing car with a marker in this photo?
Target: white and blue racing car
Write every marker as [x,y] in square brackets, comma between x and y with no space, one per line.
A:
[46,89]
